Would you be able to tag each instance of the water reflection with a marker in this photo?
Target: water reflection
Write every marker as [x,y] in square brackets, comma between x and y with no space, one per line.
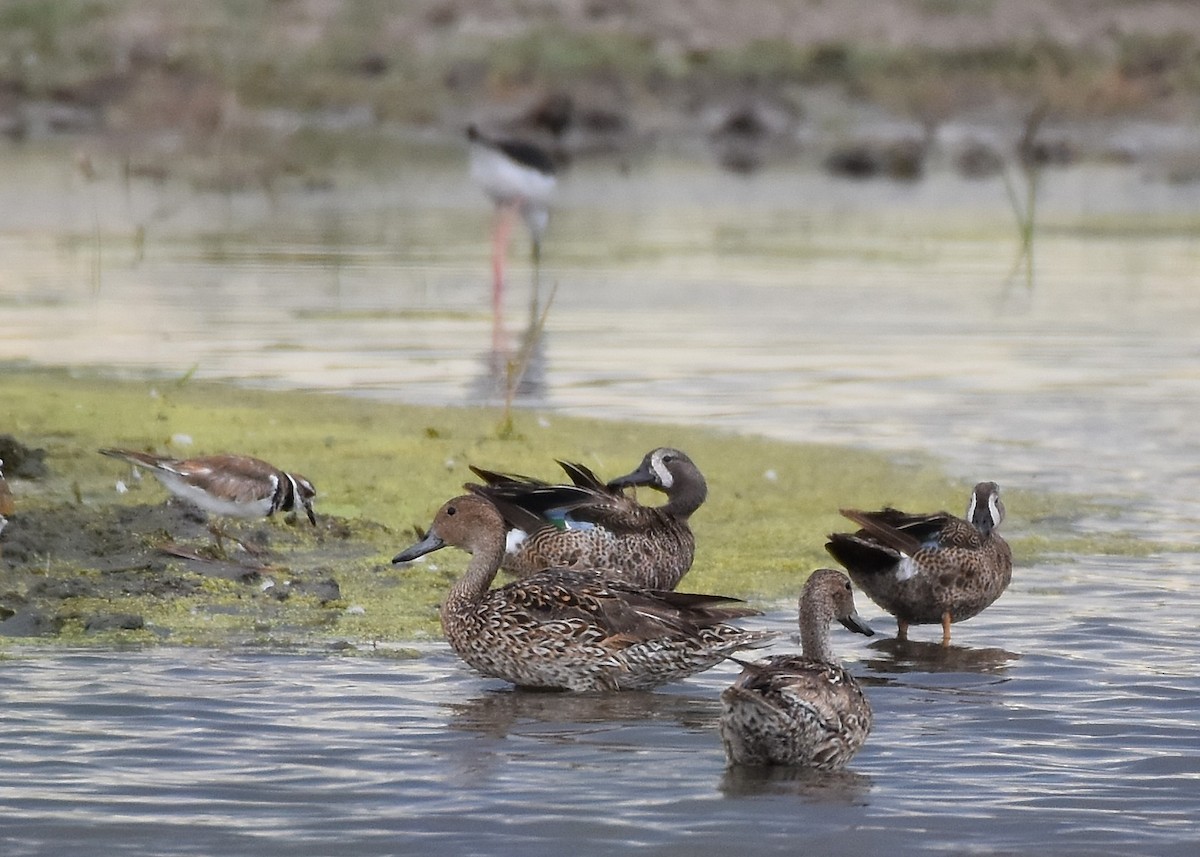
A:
[514,366]
[305,754]
[499,713]
[776,303]
[901,656]
[844,787]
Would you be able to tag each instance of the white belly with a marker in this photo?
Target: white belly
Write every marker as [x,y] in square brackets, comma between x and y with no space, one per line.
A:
[211,504]
[506,181]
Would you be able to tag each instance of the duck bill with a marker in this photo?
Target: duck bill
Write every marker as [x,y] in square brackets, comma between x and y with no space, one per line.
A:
[641,476]
[857,625]
[427,545]
[308,510]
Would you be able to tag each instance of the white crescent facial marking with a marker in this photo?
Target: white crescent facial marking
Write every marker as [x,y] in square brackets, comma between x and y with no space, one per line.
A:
[971,506]
[660,470]
[994,509]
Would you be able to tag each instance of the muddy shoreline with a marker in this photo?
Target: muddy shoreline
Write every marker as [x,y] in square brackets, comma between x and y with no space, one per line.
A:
[83,562]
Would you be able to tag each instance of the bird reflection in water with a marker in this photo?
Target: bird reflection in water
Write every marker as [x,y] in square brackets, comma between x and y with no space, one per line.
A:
[514,367]
[835,787]
[499,713]
[900,656]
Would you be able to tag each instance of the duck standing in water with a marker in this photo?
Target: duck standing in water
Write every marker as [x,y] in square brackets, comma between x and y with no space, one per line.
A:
[929,569]
[572,630]
[593,526]
[803,710]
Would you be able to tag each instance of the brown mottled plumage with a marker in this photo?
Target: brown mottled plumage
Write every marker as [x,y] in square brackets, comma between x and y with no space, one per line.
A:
[568,629]
[592,526]
[929,569]
[801,710]
[235,485]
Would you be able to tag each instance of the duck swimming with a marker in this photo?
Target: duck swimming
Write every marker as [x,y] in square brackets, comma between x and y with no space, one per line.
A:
[803,710]
[570,629]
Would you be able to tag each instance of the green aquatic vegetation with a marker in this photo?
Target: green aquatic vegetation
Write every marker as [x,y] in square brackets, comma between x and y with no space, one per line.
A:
[381,471]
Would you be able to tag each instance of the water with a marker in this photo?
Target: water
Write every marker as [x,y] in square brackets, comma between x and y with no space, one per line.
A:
[1076,736]
[1063,721]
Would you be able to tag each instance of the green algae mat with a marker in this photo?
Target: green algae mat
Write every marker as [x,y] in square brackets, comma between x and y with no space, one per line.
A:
[92,554]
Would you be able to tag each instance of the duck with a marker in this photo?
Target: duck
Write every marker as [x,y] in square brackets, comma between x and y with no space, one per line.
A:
[593,525]
[932,568]
[803,710]
[565,629]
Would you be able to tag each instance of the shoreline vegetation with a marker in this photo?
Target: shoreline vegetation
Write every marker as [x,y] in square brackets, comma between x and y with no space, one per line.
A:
[83,564]
[237,95]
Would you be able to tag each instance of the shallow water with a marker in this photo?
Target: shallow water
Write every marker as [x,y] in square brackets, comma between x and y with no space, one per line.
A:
[880,315]
[1077,736]
[887,315]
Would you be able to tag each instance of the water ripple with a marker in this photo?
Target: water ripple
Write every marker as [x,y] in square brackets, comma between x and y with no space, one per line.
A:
[1054,725]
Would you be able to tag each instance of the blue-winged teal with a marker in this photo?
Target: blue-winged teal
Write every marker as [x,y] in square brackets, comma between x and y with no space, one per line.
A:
[591,526]
[801,710]
[929,569]
[572,630]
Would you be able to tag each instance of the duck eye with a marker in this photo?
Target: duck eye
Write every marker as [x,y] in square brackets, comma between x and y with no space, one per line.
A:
[450,510]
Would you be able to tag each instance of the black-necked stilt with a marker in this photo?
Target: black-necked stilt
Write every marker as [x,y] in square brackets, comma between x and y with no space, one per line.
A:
[519,176]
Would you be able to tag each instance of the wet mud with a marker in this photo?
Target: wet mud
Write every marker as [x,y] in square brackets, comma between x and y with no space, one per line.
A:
[73,569]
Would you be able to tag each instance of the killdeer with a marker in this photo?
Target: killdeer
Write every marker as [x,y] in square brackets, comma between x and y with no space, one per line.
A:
[236,486]
[6,499]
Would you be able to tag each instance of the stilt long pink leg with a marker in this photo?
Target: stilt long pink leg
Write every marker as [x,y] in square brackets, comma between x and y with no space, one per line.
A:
[505,216]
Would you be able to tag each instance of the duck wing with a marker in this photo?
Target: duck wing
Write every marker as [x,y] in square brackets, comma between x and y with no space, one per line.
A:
[900,531]
[618,610]
[527,503]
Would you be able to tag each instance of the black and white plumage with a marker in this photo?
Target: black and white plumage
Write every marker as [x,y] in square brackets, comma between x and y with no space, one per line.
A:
[803,710]
[572,630]
[520,178]
[931,568]
[236,486]
[594,526]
